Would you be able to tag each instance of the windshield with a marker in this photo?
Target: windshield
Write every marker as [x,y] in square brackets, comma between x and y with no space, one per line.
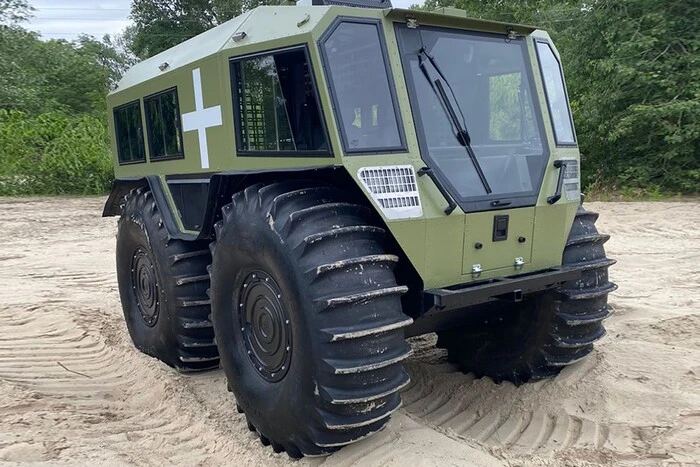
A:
[491,86]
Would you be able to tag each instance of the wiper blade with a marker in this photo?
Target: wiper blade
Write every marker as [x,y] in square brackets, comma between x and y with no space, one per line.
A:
[463,136]
[462,132]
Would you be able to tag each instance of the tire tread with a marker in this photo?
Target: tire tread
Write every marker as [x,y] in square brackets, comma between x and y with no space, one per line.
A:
[357,385]
[184,266]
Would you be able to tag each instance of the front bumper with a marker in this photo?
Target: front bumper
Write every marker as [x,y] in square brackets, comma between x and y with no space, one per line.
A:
[445,307]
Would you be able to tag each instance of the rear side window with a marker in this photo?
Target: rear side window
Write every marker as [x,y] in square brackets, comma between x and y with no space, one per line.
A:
[276,105]
[363,95]
[129,133]
[163,123]
[557,100]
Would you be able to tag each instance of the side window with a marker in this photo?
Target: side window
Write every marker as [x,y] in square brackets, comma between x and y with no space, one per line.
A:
[363,95]
[511,116]
[163,123]
[129,133]
[276,104]
[557,100]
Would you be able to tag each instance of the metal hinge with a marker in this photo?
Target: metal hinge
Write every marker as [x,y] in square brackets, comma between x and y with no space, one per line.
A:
[519,262]
[476,271]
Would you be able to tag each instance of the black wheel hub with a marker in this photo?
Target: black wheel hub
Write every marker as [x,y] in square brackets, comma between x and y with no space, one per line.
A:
[265,325]
[144,286]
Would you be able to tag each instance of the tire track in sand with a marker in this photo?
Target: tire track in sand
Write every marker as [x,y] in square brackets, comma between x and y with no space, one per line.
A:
[466,408]
[103,397]
[105,403]
[58,302]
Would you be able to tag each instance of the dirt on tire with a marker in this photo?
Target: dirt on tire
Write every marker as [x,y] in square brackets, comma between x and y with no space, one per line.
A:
[74,389]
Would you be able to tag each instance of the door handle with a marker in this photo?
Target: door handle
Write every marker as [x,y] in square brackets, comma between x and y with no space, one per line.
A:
[561,165]
[451,205]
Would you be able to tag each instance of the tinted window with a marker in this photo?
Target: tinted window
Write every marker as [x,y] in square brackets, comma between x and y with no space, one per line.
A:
[129,133]
[277,105]
[364,102]
[163,123]
[556,94]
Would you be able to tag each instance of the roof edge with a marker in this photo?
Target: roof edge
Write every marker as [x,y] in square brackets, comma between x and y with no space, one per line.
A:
[461,16]
[212,41]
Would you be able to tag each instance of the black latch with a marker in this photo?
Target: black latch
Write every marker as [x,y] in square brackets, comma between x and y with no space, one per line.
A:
[561,165]
[451,205]
[500,228]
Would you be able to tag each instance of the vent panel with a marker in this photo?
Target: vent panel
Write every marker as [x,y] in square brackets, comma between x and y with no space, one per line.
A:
[394,189]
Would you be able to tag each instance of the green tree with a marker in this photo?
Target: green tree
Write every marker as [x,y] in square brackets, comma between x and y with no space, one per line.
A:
[112,55]
[20,87]
[14,11]
[53,135]
[635,78]
[40,76]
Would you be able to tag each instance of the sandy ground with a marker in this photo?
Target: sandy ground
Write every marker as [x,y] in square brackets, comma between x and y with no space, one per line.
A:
[74,390]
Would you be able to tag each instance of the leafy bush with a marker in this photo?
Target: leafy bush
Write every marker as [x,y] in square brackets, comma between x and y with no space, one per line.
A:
[53,138]
[53,153]
[637,89]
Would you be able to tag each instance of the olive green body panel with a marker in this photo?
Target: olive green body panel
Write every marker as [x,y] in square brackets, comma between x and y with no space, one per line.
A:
[271,30]
[483,252]
[440,247]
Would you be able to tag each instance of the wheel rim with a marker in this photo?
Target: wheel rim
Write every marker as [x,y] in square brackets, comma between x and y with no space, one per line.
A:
[144,286]
[265,326]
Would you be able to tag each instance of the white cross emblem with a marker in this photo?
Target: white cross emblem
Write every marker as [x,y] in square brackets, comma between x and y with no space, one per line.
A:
[201,118]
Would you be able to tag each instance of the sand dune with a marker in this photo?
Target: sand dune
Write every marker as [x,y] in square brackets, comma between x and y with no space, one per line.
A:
[73,389]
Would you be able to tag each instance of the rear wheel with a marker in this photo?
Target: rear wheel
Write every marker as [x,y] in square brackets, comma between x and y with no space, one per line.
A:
[308,318]
[538,337]
[162,286]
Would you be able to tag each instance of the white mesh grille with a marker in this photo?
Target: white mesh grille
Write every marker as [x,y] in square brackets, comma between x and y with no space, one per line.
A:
[572,180]
[394,189]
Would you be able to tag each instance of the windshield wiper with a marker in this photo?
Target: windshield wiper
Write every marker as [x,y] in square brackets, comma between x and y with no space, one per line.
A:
[462,132]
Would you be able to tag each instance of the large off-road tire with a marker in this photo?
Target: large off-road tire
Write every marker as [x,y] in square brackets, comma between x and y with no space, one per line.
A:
[162,285]
[308,317]
[536,338]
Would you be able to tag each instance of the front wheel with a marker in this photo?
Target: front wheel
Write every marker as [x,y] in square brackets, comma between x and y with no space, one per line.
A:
[535,339]
[307,315]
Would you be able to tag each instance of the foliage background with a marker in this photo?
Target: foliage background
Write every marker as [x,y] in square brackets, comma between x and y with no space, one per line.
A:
[633,75]
[632,70]
[53,137]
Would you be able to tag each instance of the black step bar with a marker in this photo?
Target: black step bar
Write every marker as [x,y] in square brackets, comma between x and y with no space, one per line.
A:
[511,289]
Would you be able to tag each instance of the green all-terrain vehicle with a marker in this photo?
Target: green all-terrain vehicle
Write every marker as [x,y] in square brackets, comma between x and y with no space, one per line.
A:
[303,187]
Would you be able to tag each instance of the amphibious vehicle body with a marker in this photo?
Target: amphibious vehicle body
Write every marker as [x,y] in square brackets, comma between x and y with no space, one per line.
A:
[303,187]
